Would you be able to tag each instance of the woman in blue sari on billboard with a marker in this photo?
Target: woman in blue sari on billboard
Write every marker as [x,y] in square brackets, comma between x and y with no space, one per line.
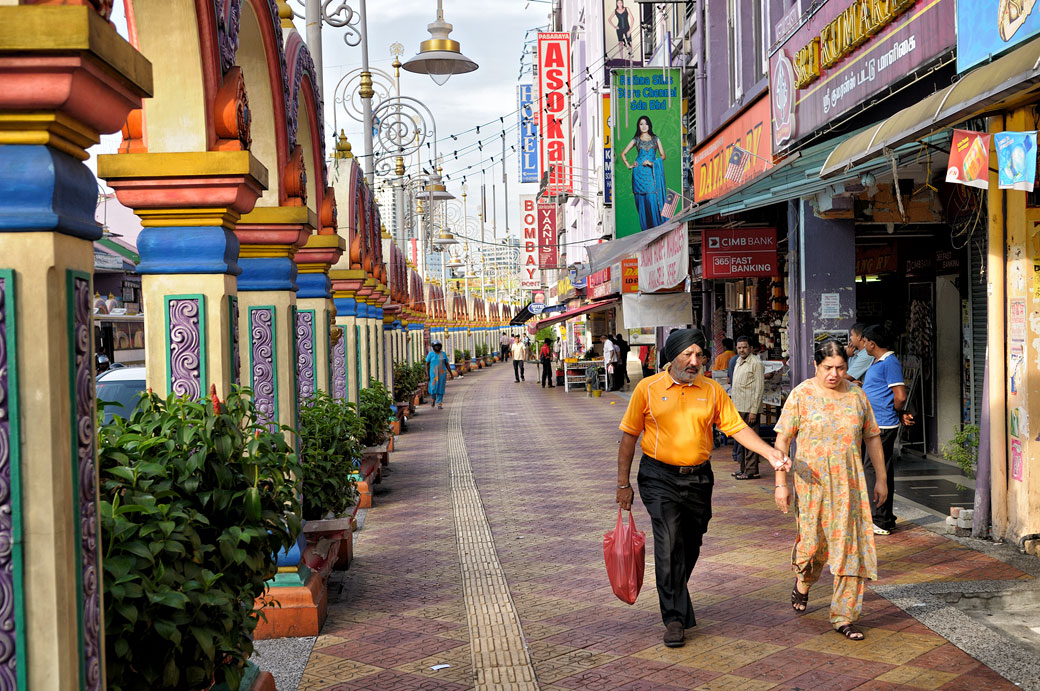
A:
[648,184]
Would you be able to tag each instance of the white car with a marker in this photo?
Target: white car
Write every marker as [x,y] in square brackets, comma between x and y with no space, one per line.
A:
[121,387]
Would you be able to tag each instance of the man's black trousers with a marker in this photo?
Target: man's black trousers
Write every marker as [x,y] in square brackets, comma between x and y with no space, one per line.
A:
[518,368]
[680,508]
[883,515]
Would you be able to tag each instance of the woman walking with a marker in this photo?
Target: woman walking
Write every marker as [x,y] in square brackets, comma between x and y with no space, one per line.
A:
[829,418]
[439,370]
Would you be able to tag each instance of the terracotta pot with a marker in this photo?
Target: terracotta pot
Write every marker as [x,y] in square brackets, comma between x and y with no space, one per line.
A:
[323,542]
[395,426]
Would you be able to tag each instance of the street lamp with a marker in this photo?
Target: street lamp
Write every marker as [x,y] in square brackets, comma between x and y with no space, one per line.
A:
[440,56]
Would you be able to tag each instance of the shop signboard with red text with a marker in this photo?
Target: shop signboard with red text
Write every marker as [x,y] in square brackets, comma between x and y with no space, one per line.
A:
[629,275]
[846,54]
[739,253]
[750,132]
[529,276]
[547,256]
[554,110]
[665,262]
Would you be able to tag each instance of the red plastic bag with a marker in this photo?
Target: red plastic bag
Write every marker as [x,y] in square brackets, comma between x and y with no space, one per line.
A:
[624,551]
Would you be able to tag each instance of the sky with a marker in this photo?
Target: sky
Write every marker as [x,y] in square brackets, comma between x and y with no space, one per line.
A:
[491,33]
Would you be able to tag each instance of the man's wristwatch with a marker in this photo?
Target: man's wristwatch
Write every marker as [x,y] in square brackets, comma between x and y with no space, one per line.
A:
[628,486]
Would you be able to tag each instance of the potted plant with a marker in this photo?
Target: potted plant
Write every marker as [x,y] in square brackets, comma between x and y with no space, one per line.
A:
[376,414]
[196,499]
[330,453]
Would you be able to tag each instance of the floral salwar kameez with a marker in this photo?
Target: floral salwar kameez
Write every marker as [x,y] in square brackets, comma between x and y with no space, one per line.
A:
[834,522]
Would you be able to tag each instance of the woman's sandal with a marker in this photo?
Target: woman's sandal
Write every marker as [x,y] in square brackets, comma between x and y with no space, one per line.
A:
[799,601]
[851,632]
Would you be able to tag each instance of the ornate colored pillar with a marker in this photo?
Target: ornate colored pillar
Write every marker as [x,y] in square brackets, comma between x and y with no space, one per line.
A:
[345,284]
[189,204]
[314,313]
[270,238]
[65,78]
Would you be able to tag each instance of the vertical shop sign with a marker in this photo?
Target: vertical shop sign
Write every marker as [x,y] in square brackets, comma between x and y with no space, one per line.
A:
[647,141]
[527,132]
[529,278]
[629,275]
[554,108]
[547,258]
[608,155]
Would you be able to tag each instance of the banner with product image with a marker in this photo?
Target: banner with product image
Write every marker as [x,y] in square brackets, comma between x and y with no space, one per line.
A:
[1016,160]
[647,141]
[969,159]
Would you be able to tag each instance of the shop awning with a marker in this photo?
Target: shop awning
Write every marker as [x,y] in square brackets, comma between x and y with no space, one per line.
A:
[1003,83]
[577,312]
[606,254]
[531,310]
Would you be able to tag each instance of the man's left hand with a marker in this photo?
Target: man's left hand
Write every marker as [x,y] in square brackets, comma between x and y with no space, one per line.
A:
[778,460]
[908,419]
[752,418]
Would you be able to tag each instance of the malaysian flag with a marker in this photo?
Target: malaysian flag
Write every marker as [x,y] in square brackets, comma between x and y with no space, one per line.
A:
[738,164]
[671,201]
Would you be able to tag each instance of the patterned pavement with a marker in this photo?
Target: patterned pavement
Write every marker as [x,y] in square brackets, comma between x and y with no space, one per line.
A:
[544,467]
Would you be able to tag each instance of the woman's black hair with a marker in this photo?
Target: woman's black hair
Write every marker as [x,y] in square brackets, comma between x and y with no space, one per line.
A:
[830,348]
[649,127]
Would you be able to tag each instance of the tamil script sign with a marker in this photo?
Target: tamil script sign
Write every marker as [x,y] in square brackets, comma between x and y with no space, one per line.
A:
[738,253]
[554,110]
[547,257]
[665,262]
[848,52]
[527,153]
[529,277]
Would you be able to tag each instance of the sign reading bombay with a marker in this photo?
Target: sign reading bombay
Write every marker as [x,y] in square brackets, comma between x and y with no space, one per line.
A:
[847,53]
[750,132]
[738,253]
[529,278]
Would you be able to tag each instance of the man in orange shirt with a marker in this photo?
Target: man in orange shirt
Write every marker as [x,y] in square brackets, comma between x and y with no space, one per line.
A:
[727,354]
[674,410]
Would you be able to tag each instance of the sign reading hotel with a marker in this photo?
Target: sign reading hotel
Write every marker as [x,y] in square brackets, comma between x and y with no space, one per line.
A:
[547,257]
[848,52]
[554,111]
[527,133]
[750,132]
[529,277]
[738,253]
[647,140]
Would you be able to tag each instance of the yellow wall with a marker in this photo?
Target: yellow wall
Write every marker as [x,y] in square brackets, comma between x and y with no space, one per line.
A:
[251,58]
[40,261]
[175,117]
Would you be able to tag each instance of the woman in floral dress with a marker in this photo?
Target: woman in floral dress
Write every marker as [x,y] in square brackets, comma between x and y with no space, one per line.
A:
[828,417]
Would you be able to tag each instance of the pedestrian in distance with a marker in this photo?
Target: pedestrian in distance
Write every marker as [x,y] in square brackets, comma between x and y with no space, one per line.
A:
[674,412]
[517,350]
[610,358]
[623,349]
[829,418]
[545,357]
[746,389]
[727,354]
[503,344]
[859,358]
[886,391]
[439,369]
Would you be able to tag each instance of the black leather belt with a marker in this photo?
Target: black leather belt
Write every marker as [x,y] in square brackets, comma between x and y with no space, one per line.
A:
[678,469]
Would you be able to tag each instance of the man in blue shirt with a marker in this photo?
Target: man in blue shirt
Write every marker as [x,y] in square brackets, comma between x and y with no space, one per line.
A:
[859,359]
[886,391]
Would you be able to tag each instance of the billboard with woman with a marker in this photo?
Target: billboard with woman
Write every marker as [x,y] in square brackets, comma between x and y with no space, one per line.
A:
[647,139]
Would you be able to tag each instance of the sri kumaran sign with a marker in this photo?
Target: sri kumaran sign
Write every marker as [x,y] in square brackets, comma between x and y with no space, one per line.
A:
[847,53]
[647,139]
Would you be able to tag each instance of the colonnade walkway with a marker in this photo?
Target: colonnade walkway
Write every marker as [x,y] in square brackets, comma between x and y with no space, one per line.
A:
[480,565]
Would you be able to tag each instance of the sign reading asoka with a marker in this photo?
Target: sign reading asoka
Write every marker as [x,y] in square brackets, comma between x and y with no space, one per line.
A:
[739,253]
[847,53]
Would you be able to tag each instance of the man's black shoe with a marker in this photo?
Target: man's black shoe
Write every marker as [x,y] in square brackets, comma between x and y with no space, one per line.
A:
[674,636]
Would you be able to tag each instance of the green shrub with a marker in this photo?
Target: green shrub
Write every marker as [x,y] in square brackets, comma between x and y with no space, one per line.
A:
[963,449]
[465,355]
[421,373]
[330,451]
[406,380]
[376,413]
[195,504]
[458,355]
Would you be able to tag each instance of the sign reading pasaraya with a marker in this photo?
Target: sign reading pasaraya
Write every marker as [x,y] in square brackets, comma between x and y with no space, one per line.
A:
[529,277]
[554,110]
[848,52]
[739,253]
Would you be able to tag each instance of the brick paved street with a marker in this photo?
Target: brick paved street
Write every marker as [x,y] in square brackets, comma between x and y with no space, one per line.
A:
[543,465]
